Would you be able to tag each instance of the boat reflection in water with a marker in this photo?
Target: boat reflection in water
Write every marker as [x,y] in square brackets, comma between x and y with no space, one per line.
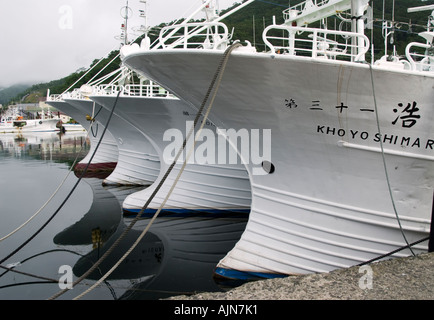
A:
[54,146]
[105,158]
[177,256]
[103,217]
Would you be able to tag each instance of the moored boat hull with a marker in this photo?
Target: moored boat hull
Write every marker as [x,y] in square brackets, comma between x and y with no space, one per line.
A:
[137,162]
[329,203]
[202,189]
[105,159]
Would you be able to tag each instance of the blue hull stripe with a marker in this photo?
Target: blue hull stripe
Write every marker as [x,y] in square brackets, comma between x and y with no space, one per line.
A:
[245,276]
[202,212]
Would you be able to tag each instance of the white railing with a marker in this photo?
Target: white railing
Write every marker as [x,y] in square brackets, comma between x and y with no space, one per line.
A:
[74,94]
[106,90]
[133,90]
[148,90]
[316,43]
[207,35]
[130,90]
[54,97]
[420,61]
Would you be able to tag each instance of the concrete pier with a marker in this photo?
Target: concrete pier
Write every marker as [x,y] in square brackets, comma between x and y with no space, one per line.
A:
[409,278]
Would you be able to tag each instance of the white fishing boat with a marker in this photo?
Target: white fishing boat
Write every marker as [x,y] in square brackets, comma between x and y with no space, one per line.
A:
[205,189]
[142,114]
[350,177]
[105,158]
[138,162]
[13,122]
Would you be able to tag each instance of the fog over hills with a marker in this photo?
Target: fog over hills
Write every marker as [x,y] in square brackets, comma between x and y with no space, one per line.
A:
[7,93]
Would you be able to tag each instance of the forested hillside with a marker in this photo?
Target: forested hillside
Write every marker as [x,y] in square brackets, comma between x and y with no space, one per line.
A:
[6,94]
[60,85]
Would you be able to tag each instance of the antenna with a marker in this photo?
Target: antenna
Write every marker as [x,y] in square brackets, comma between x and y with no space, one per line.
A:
[143,14]
[125,14]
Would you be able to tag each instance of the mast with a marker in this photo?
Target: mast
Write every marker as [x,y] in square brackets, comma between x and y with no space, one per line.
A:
[146,41]
[358,8]
[125,15]
[310,11]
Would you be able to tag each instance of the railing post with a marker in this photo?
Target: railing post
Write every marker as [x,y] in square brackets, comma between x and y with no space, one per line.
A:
[185,36]
[314,44]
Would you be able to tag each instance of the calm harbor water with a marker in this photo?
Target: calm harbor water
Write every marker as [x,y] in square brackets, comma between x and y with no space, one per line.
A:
[176,256]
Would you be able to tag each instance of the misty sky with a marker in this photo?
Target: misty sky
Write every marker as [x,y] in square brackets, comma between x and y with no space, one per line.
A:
[44,40]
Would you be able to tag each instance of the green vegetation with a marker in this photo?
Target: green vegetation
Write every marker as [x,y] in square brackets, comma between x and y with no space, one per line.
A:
[248,24]
[6,94]
[32,94]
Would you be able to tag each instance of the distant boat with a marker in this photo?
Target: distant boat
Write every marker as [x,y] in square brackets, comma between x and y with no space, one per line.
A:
[17,124]
[351,172]
[105,159]
[137,163]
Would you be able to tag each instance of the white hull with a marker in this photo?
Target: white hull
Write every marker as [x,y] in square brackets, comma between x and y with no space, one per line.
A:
[207,189]
[73,127]
[327,205]
[138,163]
[106,157]
[33,125]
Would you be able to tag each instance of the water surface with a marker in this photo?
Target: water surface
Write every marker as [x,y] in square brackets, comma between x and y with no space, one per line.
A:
[176,256]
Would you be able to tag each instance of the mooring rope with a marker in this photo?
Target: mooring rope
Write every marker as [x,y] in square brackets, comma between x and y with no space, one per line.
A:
[12,267]
[69,194]
[53,194]
[384,162]
[394,251]
[408,245]
[215,82]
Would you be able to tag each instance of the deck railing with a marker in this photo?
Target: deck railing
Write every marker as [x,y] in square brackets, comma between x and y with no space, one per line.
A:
[207,35]
[316,43]
[133,90]
[148,90]
[420,61]
[54,97]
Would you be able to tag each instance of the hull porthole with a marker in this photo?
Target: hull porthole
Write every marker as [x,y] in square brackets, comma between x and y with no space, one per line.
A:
[268,167]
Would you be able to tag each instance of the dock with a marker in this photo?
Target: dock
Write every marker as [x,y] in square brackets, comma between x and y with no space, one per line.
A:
[410,278]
